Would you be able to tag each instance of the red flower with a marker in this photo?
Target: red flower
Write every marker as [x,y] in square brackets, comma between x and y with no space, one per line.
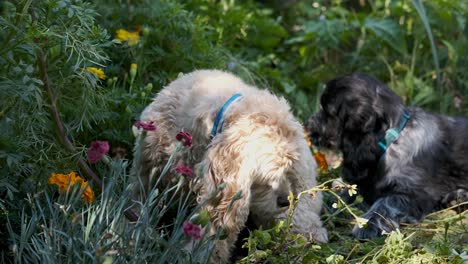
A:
[97,150]
[185,138]
[192,230]
[147,126]
[185,171]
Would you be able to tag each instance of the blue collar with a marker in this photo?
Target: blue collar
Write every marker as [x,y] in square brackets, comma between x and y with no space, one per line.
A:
[217,127]
[392,134]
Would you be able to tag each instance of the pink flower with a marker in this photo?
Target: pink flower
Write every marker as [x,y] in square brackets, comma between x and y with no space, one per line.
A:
[97,150]
[185,138]
[185,171]
[192,230]
[147,126]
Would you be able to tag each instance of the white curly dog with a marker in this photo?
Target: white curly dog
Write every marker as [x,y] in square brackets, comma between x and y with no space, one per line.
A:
[257,149]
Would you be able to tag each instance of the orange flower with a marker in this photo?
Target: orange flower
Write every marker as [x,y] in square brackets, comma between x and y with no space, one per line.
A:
[319,157]
[321,161]
[63,181]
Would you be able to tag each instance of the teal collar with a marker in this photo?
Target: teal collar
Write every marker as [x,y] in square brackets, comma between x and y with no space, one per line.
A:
[392,134]
[219,122]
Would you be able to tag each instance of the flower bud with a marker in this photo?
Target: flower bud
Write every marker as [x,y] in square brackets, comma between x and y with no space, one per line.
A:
[202,218]
[149,87]
[133,70]
[146,31]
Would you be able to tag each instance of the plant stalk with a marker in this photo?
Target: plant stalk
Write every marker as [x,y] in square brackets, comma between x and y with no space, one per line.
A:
[62,134]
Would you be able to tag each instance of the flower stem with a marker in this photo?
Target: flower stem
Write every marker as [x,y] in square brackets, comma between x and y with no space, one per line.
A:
[171,160]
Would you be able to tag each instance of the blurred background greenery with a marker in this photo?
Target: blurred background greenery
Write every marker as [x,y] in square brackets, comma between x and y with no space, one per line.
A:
[291,47]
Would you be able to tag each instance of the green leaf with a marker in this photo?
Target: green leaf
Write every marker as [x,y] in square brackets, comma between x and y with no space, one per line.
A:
[425,20]
[329,31]
[388,31]
[335,259]
[288,87]
[263,236]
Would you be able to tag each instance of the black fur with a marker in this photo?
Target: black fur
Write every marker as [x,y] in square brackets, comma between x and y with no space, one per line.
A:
[420,172]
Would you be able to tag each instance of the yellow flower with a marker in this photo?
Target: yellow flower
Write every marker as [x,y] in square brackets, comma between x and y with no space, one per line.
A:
[64,181]
[97,71]
[123,35]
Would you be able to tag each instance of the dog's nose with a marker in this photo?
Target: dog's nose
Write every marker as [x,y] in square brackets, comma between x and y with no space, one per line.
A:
[282,201]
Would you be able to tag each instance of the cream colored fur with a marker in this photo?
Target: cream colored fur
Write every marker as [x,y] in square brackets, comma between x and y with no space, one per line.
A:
[261,152]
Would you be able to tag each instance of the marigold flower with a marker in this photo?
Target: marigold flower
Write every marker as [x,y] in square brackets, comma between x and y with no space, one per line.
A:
[147,126]
[319,157]
[67,181]
[321,161]
[185,171]
[98,72]
[185,138]
[132,38]
[192,230]
[97,150]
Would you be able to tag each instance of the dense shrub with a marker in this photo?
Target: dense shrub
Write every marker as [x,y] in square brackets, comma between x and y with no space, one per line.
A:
[75,71]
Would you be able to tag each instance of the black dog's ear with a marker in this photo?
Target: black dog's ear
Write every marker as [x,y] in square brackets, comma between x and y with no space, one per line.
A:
[332,98]
[353,98]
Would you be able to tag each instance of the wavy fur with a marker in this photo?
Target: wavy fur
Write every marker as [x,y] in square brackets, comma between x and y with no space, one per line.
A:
[261,153]
[420,172]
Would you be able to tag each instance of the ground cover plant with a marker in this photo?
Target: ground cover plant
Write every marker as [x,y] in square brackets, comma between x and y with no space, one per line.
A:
[75,75]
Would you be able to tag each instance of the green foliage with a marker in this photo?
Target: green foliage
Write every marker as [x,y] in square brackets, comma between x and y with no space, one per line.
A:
[279,245]
[417,47]
[69,41]
[65,36]
[396,249]
[62,229]
[172,41]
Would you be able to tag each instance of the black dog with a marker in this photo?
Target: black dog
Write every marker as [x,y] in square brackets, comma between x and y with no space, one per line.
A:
[405,161]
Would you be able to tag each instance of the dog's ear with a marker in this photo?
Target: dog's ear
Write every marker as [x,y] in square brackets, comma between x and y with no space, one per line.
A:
[355,101]
[332,98]
[224,189]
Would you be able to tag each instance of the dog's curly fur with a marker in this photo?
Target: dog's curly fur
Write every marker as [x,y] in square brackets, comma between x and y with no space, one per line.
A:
[261,153]
[420,172]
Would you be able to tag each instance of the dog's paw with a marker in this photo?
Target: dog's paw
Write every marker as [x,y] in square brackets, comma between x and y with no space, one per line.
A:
[454,198]
[312,232]
[374,228]
[367,232]
[320,236]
